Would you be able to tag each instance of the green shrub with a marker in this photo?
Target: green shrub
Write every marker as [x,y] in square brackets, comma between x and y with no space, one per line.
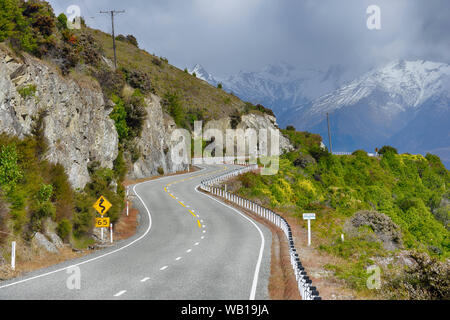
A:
[136,114]
[45,193]
[27,91]
[120,167]
[160,171]
[318,153]
[119,115]
[427,279]
[173,106]
[10,172]
[387,149]
[62,21]
[64,229]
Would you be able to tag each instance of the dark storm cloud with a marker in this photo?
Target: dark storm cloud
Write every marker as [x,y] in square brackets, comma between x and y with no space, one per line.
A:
[227,36]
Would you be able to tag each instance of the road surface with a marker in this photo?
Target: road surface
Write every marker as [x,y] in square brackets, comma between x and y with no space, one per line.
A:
[188,246]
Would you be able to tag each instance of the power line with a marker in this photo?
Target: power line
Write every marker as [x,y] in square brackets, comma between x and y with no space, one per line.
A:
[113,12]
[329,133]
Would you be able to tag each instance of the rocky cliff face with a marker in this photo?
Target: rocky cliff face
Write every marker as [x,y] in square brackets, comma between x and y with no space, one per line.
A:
[155,144]
[75,118]
[251,121]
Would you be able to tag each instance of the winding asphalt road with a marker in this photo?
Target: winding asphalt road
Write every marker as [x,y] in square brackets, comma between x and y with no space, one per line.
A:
[188,246]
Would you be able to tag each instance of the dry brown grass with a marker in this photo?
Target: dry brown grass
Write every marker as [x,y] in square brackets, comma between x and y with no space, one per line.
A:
[31,259]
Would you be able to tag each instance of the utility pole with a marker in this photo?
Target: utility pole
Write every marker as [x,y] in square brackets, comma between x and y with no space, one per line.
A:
[113,12]
[329,133]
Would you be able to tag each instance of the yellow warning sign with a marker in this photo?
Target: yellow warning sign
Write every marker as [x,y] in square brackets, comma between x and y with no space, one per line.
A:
[102,205]
[102,222]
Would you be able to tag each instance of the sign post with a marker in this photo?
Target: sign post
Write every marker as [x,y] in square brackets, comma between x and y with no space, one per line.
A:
[102,206]
[309,217]
[13,255]
[127,201]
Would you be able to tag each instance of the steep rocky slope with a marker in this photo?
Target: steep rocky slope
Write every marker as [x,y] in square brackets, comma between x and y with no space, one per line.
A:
[75,119]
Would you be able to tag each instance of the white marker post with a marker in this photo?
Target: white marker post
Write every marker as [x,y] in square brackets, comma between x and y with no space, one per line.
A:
[111,230]
[13,255]
[309,217]
[127,202]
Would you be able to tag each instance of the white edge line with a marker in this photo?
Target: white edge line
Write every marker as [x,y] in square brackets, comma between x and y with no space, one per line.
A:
[109,253]
[118,294]
[261,250]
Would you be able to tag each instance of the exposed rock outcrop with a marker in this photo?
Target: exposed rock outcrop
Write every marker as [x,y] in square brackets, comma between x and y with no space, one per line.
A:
[384,229]
[75,119]
[41,241]
[251,121]
[155,143]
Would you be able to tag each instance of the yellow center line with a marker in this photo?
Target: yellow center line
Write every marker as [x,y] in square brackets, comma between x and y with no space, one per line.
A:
[187,179]
[193,214]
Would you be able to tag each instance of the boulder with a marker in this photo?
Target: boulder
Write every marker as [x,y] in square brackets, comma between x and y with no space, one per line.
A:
[55,239]
[304,160]
[385,230]
[41,241]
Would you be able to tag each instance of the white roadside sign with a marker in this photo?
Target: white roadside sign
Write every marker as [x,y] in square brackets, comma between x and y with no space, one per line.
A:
[309,217]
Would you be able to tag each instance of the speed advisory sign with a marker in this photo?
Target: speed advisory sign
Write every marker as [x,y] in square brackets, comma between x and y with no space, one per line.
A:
[102,222]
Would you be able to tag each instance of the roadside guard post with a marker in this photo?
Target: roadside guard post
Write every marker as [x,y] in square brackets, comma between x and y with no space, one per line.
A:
[13,255]
[309,217]
[102,206]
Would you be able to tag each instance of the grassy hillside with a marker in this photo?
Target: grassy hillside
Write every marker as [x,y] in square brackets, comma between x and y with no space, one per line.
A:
[195,94]
[382,205]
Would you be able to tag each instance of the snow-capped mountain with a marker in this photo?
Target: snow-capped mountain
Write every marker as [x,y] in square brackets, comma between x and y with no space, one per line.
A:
[405,104]
[279,86]
[201,73]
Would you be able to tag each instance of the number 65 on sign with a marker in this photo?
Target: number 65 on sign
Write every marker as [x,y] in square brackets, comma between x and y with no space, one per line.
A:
[102,222]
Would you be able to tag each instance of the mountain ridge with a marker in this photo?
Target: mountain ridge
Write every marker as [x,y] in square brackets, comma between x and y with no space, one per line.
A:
[379,107]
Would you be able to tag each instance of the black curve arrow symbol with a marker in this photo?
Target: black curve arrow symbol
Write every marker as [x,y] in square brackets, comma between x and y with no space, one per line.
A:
[101,205]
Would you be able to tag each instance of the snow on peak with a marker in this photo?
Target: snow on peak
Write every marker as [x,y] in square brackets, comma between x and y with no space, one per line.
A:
[412,81]
[201,73]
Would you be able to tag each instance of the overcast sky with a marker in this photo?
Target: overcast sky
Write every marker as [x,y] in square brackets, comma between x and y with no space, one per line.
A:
[227,36]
